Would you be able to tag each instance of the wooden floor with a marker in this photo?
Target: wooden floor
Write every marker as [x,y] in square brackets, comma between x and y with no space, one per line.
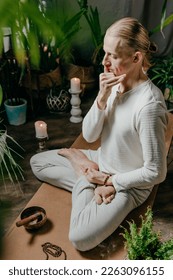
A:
[62,133]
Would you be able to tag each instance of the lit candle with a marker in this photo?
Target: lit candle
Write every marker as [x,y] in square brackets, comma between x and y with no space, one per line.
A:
[41,129]
[75,85]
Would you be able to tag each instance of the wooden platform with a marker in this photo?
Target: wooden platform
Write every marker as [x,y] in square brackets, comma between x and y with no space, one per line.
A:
[19,244]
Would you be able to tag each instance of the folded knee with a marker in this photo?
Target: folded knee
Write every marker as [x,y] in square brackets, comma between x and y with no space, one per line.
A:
[78,244]
[33,160]
[81,243]
[37,165]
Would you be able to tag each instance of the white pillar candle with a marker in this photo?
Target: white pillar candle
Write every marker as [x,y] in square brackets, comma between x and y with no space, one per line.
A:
[75,85]
[41,129]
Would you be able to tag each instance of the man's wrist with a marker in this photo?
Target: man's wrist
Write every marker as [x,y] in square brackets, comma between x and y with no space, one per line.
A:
[101,103]
[108,180]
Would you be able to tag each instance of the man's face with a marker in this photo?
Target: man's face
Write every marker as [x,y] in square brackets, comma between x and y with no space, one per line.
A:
[118,56]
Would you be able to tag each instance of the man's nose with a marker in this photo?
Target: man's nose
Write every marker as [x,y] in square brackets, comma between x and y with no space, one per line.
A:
[105,60]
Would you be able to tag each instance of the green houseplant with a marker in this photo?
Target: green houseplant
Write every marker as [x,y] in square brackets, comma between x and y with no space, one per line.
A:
[164,21]
[10,80]
[10,171]
[40,31]
[40,37]
[28,25]
[162,70]
[143,243]
[162,73]
[92,18]
[87,70]
[25,22]
[9,168]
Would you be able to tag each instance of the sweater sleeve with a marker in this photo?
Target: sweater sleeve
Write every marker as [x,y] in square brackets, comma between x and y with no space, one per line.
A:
[93,123]
[150,124]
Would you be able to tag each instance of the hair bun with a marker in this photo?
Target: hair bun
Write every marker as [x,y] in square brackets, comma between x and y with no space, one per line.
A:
[152,47]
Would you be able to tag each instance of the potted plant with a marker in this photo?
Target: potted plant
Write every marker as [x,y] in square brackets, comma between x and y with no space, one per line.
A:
[13,59]
[22,20]
[54,48]
[92,17]
[9,168]
[40,36]
[143,243]
[162,70]
[26,21]
[87,71]
[162,73]
[10,80]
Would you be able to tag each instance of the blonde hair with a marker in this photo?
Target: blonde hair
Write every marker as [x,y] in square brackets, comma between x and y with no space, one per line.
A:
[135,36]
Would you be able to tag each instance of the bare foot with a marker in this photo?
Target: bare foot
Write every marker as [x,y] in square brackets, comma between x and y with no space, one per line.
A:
[96,177]
[78,159]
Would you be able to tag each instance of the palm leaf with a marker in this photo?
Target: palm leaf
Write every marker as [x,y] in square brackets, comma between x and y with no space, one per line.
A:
[163,17]
[9,168]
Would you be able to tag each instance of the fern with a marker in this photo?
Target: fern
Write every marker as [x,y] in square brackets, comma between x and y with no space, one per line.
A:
[144,243]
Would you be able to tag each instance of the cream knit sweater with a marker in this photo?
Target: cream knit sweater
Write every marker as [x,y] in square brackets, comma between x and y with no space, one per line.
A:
[132,130]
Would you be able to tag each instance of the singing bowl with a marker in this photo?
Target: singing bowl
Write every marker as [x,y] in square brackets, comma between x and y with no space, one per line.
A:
[36,223]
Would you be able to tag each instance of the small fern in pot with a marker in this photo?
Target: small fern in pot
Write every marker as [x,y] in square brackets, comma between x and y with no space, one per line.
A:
[144,243]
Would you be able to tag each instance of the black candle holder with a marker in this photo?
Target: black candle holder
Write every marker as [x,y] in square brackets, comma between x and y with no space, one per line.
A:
[41,144]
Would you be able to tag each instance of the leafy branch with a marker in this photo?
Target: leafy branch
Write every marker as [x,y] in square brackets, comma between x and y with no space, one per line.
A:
[165,21]
[144,243]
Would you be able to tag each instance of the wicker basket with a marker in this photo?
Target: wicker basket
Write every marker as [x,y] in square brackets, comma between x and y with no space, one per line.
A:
[58,100]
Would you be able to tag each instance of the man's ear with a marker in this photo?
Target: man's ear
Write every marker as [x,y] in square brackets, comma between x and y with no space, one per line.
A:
[137,57]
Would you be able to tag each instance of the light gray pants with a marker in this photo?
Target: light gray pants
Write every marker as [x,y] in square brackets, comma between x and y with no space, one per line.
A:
[90,223]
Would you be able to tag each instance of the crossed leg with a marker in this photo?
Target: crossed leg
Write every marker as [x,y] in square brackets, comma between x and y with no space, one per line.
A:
[82,165]
[91,223]
[79,160]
